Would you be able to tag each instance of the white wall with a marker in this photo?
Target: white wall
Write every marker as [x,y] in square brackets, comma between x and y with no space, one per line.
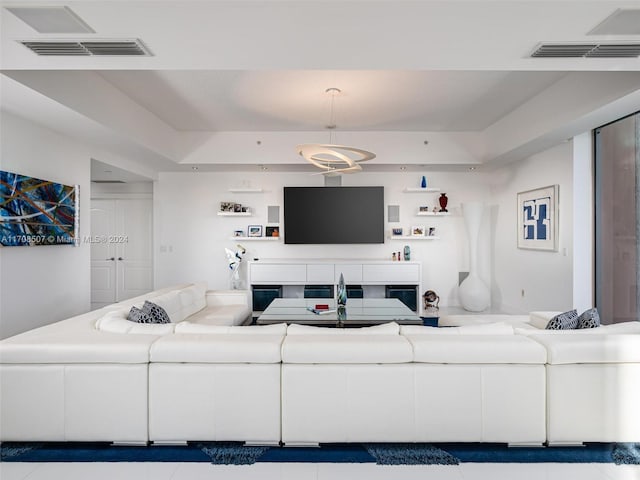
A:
[43,284]
[545,277]
[191,238]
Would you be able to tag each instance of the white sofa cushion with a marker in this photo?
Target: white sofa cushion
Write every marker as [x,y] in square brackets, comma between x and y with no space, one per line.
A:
[391,328]
[193,299]
[468,349]
[222,315]
[541,319]
[217,348]
[346,348]
[499,328]
[188,327]
[479,319]
[116,322]
[581,348]
[170,301]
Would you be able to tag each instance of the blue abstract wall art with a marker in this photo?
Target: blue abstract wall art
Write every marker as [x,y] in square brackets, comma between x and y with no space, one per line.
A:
[37,212]
[538,218]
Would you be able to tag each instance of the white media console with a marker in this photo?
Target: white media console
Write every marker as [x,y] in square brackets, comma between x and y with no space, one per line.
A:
[372,275]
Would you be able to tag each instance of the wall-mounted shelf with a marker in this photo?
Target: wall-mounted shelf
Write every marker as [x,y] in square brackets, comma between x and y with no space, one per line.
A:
[245,190]
[433,214]
[421,190]
[234,214]
[257,239]
[411,237]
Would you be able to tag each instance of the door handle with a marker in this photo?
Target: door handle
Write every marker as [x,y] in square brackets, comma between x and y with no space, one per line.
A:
[112,258]
[120,258]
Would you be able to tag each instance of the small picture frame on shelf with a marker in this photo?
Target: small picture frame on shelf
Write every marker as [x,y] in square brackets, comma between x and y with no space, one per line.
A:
[237,207]
[432,231]
[227,206]
[417,231]
[238,233]
[396,232]
[272,231]
[424,209]
[245,210]
[254,231]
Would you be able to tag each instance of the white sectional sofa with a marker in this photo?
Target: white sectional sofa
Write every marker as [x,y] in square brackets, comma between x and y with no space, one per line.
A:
[99,377]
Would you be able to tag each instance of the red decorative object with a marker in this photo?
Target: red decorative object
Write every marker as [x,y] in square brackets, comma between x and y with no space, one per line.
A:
[443,202]
[322,306]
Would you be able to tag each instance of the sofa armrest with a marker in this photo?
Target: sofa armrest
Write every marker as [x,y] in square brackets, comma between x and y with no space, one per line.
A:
[218,298]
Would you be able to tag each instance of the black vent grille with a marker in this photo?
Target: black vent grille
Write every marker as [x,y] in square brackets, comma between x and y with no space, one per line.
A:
[587,50]
[120,48]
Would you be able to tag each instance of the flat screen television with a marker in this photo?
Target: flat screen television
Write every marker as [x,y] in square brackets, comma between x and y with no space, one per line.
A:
[333,215]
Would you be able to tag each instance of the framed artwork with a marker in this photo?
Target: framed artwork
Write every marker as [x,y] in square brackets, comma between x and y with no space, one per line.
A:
[417,231]
[238,233]
[272,232]
[254,231]
[538,219]
[37,212]
[396,232]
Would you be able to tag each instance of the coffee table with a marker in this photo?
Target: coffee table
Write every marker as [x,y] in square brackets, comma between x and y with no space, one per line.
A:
[360,312]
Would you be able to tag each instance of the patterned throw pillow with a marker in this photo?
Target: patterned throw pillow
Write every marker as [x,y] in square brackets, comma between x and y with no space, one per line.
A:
[564,321]
[158,313]
[139,316]
[589,319]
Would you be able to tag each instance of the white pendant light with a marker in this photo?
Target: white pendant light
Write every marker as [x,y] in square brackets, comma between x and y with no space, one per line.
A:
[334,159]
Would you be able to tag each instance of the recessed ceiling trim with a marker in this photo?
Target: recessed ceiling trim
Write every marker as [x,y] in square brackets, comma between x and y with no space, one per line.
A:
[621,22]
[56,19]
[114,47]
[587,50]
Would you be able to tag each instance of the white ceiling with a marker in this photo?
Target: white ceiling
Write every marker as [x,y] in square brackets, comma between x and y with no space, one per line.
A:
[296,100]
[455,67]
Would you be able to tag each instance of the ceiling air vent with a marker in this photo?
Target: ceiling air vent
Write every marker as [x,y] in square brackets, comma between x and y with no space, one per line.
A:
[587,50]
[115,48]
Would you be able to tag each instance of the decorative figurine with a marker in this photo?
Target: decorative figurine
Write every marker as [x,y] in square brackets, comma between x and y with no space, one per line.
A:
[407,253]
[423,184]
[342,292]
[394,256]
[399,256]
[443,200]
[429,298]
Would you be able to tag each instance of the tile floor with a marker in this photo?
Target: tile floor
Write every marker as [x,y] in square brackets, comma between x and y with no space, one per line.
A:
[315,471]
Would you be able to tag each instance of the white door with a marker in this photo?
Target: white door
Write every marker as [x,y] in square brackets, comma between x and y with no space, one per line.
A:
[103,253]
[121,249]
[134,247]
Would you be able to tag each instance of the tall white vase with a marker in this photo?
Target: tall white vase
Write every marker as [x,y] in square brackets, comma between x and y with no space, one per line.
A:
[474,293]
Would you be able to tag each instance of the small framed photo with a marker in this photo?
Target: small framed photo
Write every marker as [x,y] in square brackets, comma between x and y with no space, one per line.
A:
[424,209]
[538,219]
[417,231]
[226,206]
[272,231]
[254,231]
[238,233]
[237,207]
[396,232]
[432,231]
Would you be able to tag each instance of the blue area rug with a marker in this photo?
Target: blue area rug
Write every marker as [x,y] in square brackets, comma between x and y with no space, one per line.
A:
[231,453]
[409,454]
[387,454]
[626,454]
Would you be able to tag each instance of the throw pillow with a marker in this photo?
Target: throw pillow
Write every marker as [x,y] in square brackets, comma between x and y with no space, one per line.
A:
[158,313]
[589,319]
[564,321]
[139,316]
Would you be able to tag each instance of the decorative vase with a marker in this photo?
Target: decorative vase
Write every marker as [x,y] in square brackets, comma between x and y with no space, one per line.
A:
[234,279]
[423,184]
[443,200]
[474,293]
[342,292]
[341,315]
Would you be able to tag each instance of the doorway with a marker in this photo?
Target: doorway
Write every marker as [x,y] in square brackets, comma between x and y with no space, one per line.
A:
[121,235]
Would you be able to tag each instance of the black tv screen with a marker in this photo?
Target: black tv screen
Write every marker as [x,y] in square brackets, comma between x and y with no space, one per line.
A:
[323,215]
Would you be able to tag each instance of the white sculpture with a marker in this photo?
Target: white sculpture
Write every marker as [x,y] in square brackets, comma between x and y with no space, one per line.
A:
[474,293]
